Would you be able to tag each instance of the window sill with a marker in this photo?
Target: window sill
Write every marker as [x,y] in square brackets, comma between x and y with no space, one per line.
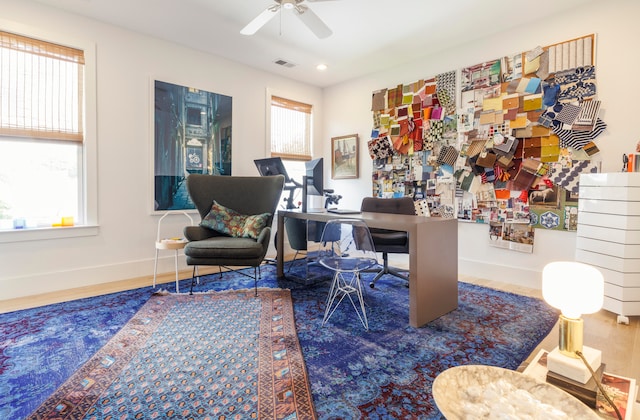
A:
[37,234]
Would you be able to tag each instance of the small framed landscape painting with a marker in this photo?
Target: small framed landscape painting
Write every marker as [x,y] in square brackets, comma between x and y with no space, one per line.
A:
[344,157]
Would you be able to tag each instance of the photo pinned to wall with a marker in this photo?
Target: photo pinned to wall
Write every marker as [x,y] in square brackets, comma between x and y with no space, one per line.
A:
[544,196]
[192,134]
[344,157]
[481,75]
[516,236]
[570,211]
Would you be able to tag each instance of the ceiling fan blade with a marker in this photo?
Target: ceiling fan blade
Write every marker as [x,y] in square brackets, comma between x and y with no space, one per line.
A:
[260,20]
[313,22]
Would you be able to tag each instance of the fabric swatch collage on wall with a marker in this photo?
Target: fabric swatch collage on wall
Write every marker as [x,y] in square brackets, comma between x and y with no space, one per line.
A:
[511,152]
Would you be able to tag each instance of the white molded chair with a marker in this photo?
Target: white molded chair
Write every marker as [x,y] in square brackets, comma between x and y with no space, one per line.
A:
[346,248]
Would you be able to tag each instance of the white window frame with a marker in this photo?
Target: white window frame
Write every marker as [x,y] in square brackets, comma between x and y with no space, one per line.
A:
[293,174]
[88,162]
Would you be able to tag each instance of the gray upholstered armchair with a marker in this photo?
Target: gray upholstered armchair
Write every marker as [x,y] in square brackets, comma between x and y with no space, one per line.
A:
[237,213]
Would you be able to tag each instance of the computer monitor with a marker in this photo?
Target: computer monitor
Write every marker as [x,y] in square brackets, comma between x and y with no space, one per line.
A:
[315,176]
[275,166]
[272,166]
[313,183]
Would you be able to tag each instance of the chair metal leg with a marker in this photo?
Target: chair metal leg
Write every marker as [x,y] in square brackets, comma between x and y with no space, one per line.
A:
[333,293]
[295,256]
[255,277]
[196,277]
[193,278]
[358,291]
[376,278]
[388,270]
[255,280]
[345,288]
[155,269]
[176,261]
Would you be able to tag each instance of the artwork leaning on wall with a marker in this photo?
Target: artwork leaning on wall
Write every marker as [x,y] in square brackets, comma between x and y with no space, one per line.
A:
[192,134]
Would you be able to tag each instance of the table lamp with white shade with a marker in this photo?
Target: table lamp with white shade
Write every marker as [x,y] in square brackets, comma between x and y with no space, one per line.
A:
[576,289]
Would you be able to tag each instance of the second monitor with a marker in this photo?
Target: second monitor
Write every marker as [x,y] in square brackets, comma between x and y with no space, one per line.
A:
[313,180]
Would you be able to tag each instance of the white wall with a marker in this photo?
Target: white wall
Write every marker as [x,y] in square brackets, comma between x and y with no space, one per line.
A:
[126,64]
[347,110]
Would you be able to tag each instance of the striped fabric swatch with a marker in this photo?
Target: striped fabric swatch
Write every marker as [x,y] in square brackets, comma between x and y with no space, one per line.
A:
[589,111]
[578,139]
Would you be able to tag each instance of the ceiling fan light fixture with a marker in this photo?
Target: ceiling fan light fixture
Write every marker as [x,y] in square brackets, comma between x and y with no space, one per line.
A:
[288,4]
[321,67]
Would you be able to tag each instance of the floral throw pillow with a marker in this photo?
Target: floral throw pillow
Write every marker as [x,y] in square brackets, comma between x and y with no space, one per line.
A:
[228,221]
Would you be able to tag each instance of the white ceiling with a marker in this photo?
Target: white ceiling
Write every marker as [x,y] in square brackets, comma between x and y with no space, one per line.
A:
[368,35]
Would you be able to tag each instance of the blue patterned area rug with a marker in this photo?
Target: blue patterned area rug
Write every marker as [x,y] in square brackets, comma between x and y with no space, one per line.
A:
[383,373]
[220,354]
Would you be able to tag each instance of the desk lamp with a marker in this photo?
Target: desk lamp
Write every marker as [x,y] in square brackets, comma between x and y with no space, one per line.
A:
[576,289]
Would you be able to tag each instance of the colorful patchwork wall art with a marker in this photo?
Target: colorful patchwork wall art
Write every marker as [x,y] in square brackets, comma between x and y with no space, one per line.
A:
[506,137]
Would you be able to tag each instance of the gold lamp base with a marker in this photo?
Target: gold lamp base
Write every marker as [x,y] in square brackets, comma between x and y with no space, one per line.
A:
[571,336]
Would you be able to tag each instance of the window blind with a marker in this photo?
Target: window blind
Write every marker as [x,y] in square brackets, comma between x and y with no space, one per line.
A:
[41,89]
[290,129]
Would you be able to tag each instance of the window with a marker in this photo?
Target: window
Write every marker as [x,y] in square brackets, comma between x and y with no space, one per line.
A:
[194,116]
[39,183]
[290,129]
[42,135]
[291,136]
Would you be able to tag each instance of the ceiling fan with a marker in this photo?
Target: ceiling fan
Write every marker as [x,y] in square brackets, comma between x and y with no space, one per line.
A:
[304,13]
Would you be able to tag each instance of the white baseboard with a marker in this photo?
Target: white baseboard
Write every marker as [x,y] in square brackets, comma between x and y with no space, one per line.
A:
[502,273]
[37,284]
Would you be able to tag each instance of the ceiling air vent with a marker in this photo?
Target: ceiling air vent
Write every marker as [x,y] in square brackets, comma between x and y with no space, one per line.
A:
[284,63]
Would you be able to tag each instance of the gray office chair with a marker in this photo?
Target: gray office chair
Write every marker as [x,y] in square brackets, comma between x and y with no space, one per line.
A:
[217,241]
[297,235]
[347,249]
[389,241]
[300,233]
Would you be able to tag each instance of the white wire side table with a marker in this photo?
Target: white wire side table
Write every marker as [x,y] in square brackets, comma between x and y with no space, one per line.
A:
[170,244]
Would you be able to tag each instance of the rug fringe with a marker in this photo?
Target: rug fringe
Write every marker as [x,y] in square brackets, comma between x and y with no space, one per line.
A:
[245,290]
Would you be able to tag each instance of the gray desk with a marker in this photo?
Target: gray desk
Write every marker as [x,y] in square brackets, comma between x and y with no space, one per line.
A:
[433,258]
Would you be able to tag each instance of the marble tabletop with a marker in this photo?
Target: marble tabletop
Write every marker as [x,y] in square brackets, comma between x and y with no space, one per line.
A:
[476,392]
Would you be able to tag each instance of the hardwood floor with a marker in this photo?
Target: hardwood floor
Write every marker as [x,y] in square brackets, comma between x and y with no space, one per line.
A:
[95,290]
[619,343]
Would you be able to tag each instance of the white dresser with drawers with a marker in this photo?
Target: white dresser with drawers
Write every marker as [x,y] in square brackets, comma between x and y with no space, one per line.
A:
[608,236]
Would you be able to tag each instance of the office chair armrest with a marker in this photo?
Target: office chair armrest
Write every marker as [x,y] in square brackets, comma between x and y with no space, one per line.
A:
[198,233]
